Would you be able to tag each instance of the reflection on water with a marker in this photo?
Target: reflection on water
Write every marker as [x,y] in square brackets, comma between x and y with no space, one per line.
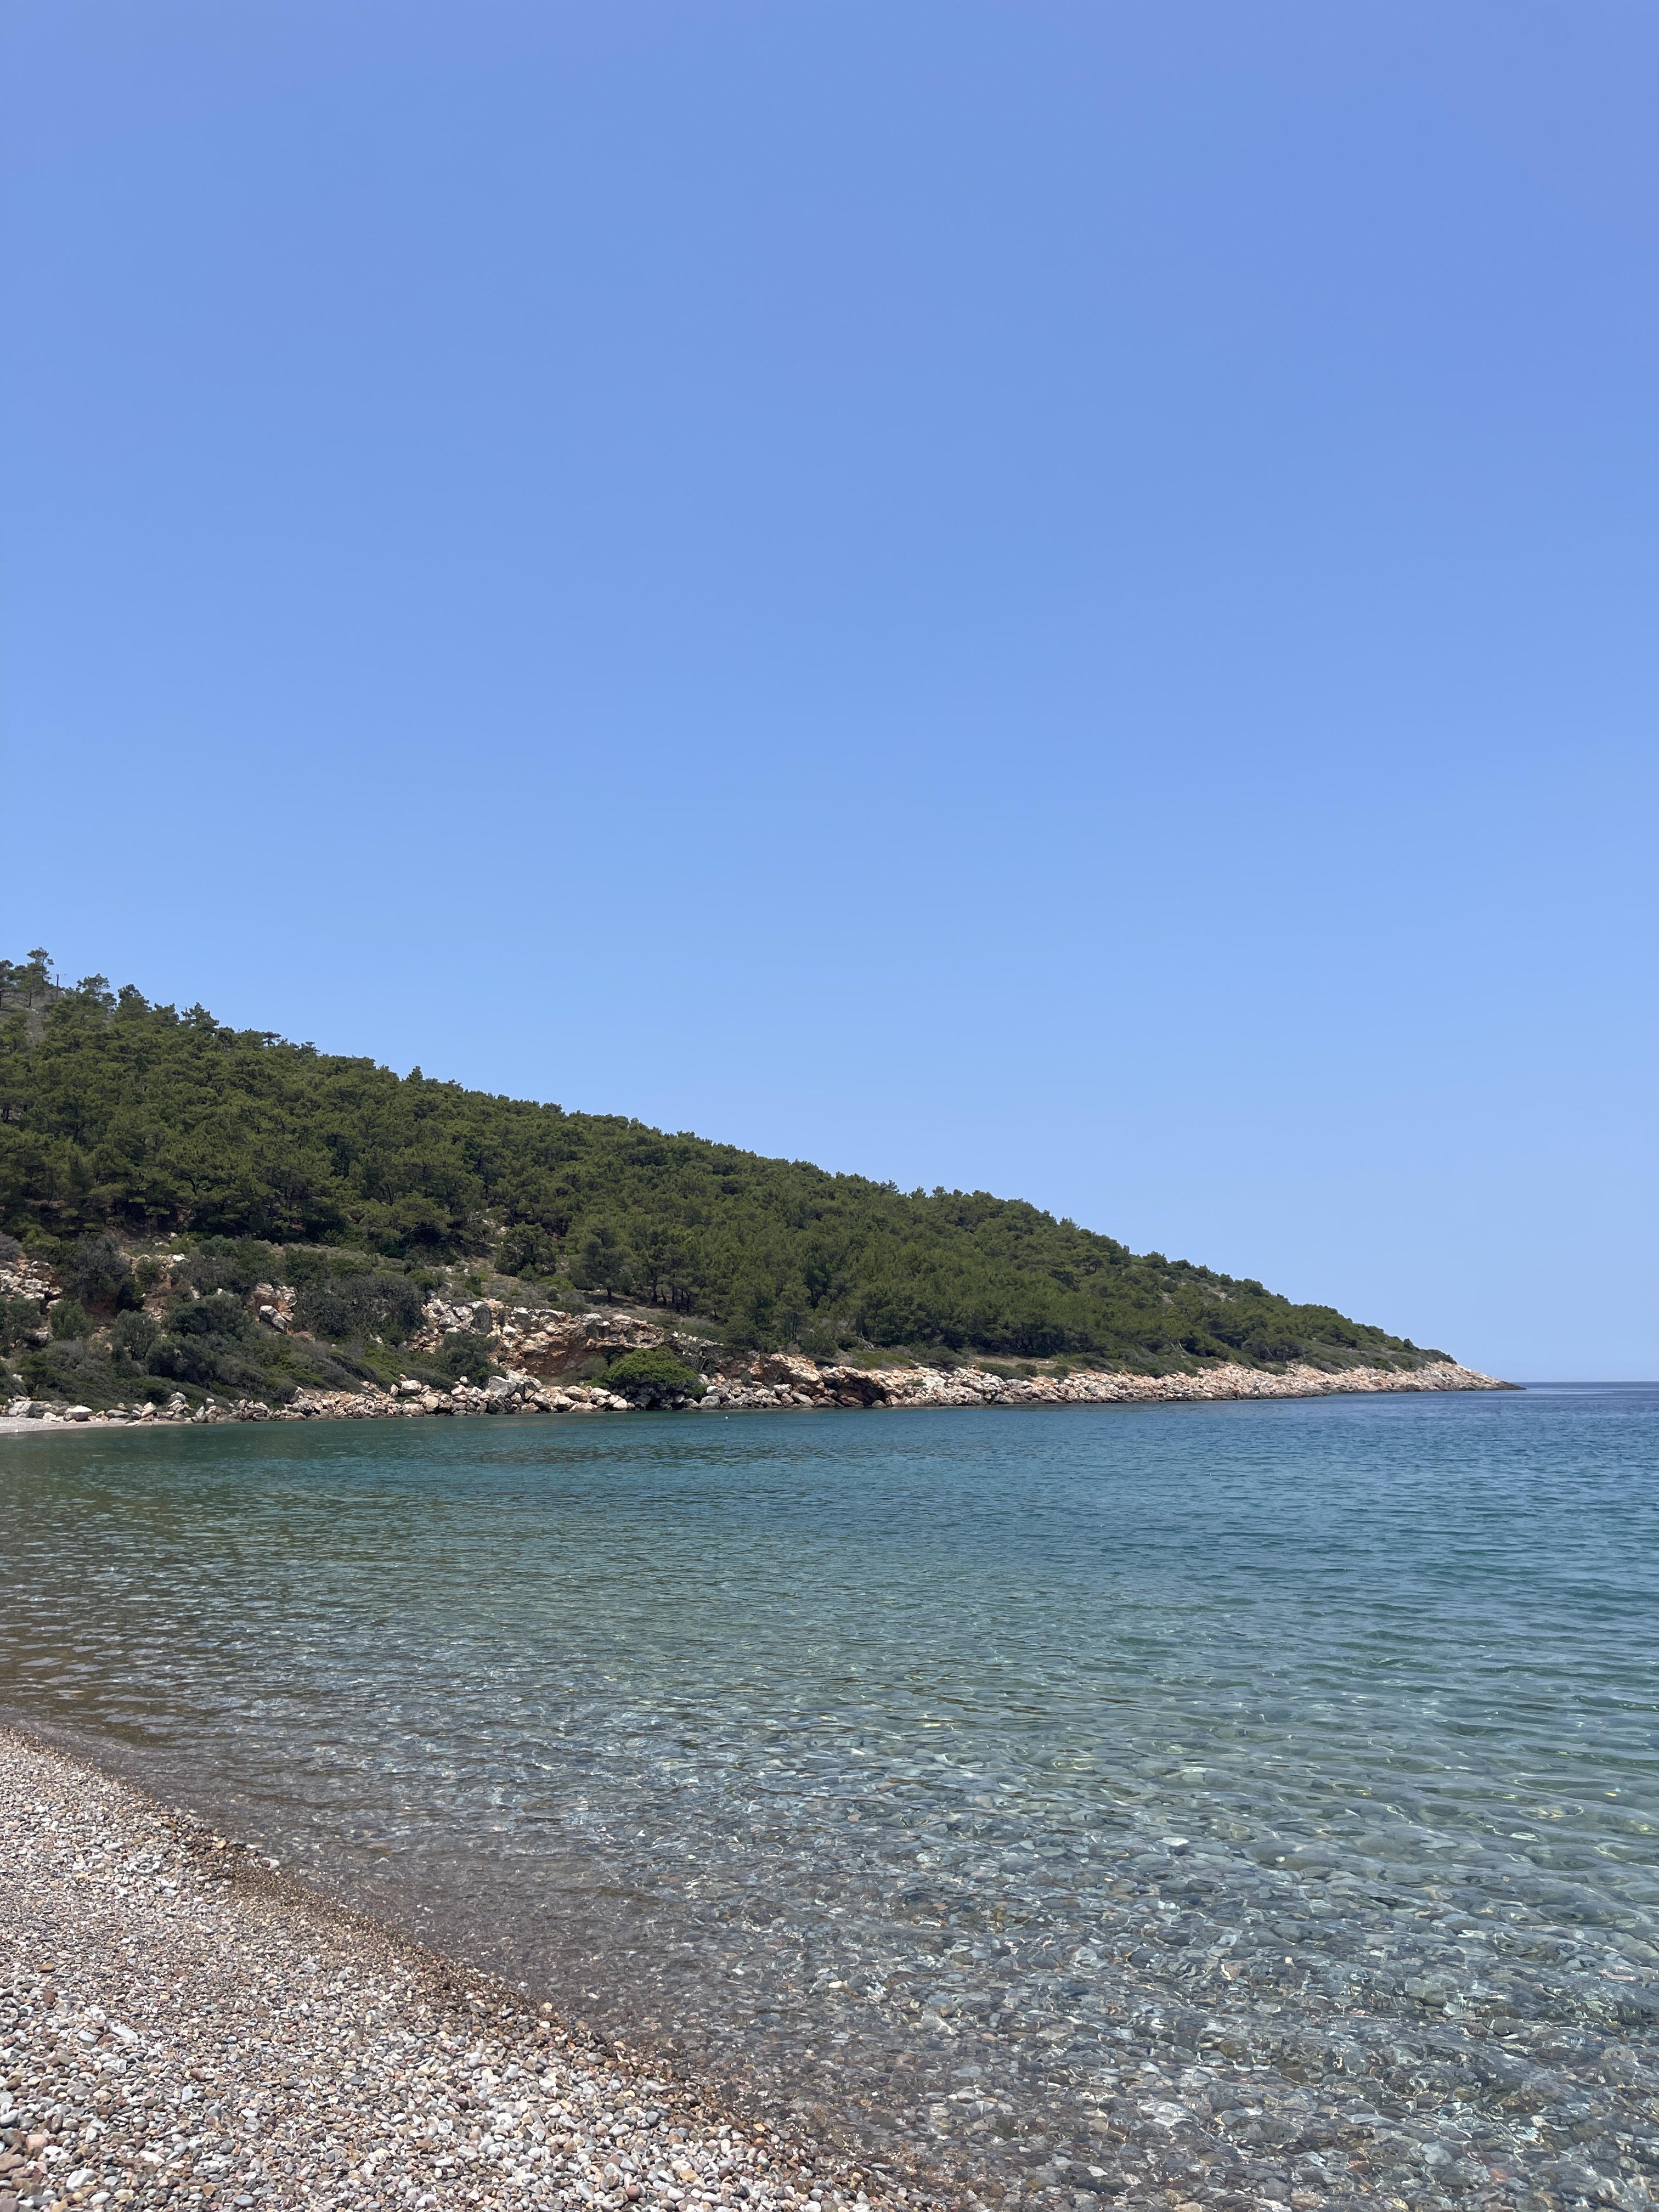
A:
[975,1774]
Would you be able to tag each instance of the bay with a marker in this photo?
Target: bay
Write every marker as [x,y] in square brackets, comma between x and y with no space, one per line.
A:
[1241,1799]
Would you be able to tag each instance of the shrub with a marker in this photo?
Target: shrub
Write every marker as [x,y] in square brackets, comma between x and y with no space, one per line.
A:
[463,1358]
[69,1369]
[526,1250]
[70,1318]
[222,1313]
[185,1359]
[19,1318]
[221,1263]
[1274,1350]
[98,1274]
[368,1302]
[41,1378]
[204,1359]
[133,1338]
[653,1378]
[1201,1344]
[206,1342]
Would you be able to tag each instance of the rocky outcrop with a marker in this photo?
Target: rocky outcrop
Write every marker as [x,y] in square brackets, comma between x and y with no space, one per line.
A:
[21,1277]
[780,1381]
[274,1304]
[541,1352]
[552,1362]
[24,1278]
[409,1399]
[554,1344]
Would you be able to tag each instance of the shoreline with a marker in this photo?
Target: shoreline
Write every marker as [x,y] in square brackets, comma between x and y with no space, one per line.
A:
[181,2022]
[535,1380]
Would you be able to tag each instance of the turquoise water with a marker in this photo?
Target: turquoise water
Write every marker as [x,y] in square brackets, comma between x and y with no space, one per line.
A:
[982,1779]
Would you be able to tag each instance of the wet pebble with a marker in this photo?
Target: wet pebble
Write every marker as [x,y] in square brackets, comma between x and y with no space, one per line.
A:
[179,2025]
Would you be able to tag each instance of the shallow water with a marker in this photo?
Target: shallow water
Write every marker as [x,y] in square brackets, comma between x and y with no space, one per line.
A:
[1251,1798]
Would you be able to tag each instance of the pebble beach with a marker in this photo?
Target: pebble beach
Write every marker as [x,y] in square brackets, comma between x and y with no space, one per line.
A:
[181,2024]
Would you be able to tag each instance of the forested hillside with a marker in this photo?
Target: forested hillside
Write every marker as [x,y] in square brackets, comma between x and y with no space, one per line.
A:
[118,1115]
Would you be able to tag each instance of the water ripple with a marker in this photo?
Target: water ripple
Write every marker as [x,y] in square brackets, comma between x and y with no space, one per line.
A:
[944,1768]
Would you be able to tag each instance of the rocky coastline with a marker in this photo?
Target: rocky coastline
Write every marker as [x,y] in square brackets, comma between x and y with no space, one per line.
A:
[545,1357]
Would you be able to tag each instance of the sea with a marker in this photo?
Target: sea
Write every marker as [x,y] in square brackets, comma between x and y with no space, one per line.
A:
[1230,1805]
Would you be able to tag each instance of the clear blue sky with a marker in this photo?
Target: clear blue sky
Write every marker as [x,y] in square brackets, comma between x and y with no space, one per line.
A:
[1052,597]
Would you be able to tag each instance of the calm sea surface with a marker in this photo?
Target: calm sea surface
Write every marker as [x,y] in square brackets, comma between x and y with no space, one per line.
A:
[1246,1798]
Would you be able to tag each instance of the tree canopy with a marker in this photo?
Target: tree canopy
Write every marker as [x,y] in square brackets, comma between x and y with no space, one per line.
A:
[119,1117]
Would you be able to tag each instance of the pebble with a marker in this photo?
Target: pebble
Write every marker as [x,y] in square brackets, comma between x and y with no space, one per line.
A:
[181,2024]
